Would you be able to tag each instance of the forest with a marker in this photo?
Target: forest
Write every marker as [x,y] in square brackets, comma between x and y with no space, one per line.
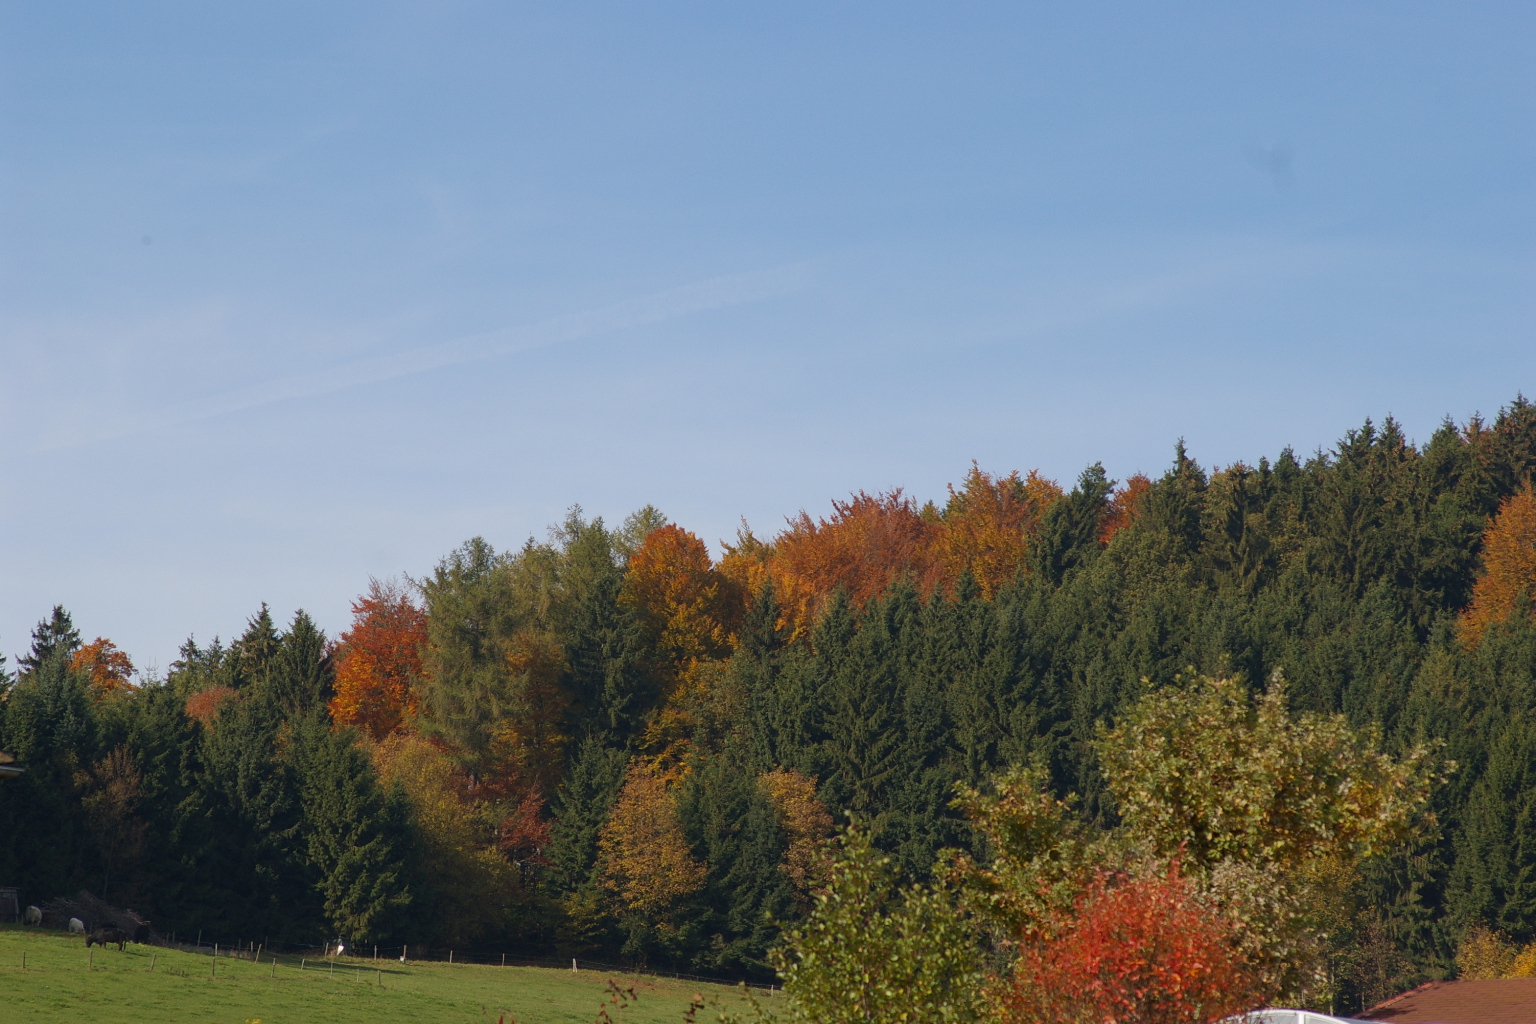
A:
[611,744]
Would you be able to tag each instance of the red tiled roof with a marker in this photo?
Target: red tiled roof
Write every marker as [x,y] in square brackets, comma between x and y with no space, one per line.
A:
[1503,1001]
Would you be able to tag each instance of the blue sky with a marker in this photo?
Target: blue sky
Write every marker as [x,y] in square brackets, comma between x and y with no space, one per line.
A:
[296,294]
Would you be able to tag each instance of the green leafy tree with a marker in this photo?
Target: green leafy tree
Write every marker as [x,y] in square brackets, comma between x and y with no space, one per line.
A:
[1276,811]
[875,952]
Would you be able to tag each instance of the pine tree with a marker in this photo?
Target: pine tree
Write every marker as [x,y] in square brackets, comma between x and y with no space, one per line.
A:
[1069,535]
[301,676]
[355,837]
[580,807]
[734,829]
[51,726]
[57,633]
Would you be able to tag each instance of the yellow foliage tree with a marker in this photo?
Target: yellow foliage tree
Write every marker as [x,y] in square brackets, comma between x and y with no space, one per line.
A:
[1484,954]
[988,525]
[692,606]
[475,889]
[644,856]
[807,822]
[1509,567]
[745,563]
[693,610]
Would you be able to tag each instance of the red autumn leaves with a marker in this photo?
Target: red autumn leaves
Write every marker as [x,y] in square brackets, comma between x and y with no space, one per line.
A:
[379,661]
[1141,950]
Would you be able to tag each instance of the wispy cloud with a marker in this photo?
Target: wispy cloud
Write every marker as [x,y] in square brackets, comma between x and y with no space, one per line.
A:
[671,304]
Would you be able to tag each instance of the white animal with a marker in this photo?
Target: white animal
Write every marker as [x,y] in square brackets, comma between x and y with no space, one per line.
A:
[76,926]
[32,916]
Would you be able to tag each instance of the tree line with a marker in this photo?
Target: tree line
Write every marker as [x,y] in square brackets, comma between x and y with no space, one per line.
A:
[610,743]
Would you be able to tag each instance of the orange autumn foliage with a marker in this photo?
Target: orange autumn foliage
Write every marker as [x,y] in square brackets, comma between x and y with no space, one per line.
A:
[108,668]
[1143,950]
[1509,567]
[204,706]
[988,525]
[1123,506]
[869,543]
[378,662]
[693,607]
[694,610]
[873,541]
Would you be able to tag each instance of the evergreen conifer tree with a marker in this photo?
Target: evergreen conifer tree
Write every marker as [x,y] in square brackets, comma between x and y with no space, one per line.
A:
[57,633]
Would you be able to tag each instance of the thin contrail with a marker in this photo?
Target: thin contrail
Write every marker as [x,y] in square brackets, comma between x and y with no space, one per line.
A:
[671,304]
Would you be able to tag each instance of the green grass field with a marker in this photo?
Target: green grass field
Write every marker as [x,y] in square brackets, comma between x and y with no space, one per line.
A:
[58,985]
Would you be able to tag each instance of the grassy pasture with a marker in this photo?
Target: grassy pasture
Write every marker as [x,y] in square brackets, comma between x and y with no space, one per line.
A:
[58,986]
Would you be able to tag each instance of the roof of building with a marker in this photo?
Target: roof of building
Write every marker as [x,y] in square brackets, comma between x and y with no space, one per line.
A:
[8,765]
[1498,1001]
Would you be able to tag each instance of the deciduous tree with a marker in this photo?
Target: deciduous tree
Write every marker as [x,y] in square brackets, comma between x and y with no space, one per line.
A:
[108,668]
[1509,567]
[1133,950]
[378,665]
[807,822]
[1202,768]
[989,524]
[869,543]
[1124,504]
[692,607]
[645,859]
[874,952]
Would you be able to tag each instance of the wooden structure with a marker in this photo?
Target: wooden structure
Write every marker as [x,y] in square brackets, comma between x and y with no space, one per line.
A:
[1498,1001]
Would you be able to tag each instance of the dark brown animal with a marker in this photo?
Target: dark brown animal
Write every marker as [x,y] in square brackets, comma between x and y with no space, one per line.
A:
[104,937]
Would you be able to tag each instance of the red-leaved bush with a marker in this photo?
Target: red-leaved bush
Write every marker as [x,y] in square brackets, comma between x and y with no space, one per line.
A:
[1133,951]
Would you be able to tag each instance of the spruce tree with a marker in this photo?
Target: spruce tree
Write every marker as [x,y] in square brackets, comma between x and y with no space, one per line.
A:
[57,633]
[580,807]
[356,836]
